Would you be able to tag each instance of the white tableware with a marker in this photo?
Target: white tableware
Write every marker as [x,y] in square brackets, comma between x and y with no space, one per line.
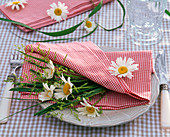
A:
[145,19]
[110,117]
[5,103]
[160,67]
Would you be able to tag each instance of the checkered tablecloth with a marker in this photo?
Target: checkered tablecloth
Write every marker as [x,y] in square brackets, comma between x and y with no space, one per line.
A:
[26,125]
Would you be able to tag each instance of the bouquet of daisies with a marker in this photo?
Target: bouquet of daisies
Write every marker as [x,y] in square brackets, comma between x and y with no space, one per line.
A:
[60,86]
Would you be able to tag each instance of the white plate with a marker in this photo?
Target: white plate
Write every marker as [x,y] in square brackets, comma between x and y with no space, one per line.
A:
[111,117]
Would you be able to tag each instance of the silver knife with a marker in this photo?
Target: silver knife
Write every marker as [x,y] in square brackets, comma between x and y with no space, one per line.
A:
[160,68]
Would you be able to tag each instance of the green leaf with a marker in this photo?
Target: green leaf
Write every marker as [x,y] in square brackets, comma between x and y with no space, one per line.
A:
[17,23]
[123,20]
[96,9]
[65,58]
[73,39]
[76,116]
[42,60]
[35,64]
[63,32]
[53,34]
[25,89]
[23,99]
[167,12]
[99,99]
[30,85]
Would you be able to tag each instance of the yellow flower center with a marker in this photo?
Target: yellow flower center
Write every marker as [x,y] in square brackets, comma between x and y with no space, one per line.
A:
[16,2]
[51,71]
[66,89]
[90,109]
[58,12]
[48,93]
[88,24]
[123,70]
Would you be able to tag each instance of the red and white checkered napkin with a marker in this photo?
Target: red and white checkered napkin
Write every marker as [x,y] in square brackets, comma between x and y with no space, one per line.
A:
[35,12]
[90,61]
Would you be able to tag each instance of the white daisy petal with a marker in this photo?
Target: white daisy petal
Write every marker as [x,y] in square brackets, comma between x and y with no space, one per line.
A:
[118,61]
[70,90]
[133,67]
[8,4]
[47,94]
[114,64]
[13,7]
[81,109]
[124,61]
[111,68]
[60,95]
[63,79]
[64,16]
[85,102]
[57,90]
[58,18]
[129,76]
[46,86]
[119,76]
[22,5]
[82,103]
[60,4]
[68,80]
[130,60]
[54,6]
[49,72]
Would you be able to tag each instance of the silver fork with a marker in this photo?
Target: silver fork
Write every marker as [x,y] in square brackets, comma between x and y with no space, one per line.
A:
[5,104]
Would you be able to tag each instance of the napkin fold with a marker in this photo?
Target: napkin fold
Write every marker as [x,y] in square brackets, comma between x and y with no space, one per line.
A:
[34,14]
[89,60]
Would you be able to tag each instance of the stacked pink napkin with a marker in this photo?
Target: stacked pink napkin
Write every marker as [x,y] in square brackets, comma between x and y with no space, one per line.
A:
[34,14]
[90,61]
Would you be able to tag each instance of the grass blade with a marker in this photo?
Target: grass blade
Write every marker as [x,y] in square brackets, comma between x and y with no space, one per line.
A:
[124,13]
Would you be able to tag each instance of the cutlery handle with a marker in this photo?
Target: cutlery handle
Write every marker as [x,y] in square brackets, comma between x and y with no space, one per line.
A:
[165,107]
[5,103]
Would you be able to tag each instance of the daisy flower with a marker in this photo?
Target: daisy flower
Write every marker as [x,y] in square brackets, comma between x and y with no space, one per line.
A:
[123,68]
[58,12]
[88,109]
[64,90]
[16,4]
[47,94]
[49,72]
[89,25]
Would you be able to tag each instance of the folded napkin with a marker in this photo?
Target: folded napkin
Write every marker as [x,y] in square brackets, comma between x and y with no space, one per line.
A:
[35,12]
[90,61]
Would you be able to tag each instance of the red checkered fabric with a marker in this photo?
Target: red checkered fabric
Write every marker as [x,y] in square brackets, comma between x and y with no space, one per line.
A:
[35,12]
[90,61]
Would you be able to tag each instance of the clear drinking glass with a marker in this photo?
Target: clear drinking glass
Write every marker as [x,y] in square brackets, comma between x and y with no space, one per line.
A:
[145,18]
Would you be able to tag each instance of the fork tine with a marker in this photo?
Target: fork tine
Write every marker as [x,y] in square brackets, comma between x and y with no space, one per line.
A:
[16,57]
[12,55]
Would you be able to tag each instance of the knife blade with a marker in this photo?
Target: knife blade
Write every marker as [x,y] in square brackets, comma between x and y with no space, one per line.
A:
[160,68]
